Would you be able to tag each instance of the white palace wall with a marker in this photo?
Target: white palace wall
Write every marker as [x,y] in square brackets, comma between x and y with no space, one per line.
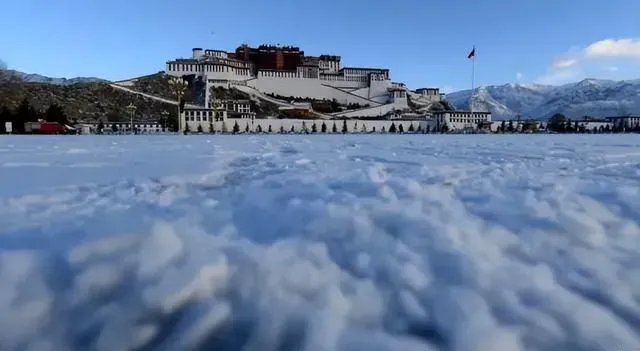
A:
[306,88]
[353,126]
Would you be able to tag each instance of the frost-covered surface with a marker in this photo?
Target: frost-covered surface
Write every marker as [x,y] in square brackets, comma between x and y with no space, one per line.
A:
[384,242]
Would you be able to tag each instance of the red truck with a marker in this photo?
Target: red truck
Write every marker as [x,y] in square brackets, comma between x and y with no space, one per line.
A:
[45,128]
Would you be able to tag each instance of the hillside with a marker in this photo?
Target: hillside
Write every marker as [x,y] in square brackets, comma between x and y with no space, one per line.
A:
[589,97]
[158,85]
[37,78]
[82,101]
[95,100]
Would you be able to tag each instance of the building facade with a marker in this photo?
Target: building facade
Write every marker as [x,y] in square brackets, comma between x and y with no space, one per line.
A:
[287,71]
[429,94]
[461,120]
[626,122]
[222,111]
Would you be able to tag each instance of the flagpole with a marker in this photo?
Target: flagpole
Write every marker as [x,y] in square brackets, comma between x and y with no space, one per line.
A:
[473,78]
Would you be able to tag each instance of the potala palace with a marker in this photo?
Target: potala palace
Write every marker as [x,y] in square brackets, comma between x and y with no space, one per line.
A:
[267,71]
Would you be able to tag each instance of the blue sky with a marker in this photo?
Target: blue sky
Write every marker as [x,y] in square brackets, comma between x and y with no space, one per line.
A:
[424,43]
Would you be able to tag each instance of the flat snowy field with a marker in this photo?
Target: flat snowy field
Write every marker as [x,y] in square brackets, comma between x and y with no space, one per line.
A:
[265,243]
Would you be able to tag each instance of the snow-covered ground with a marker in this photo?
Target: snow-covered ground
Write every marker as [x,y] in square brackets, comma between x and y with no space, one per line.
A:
[332,242]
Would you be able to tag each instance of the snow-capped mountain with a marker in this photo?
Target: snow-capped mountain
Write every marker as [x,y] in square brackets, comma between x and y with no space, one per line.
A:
[37,78]
[589,97]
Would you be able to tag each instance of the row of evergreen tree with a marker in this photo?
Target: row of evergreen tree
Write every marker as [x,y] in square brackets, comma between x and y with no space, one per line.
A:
[561,124]
[27,113]
[314,128]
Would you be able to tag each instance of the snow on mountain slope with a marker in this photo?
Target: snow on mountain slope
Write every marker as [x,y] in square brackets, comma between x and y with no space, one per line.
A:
[589,97]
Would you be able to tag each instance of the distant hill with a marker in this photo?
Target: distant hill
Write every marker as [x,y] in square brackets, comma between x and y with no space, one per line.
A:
[589,97]
[80,100]
[37,78]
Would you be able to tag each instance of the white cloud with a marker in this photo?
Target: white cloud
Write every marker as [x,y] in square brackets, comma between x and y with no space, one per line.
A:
[559,76]
[602,56]
[564,62]
[629,48]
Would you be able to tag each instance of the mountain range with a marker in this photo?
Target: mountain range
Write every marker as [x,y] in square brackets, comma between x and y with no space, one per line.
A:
[37,78]
[589,97]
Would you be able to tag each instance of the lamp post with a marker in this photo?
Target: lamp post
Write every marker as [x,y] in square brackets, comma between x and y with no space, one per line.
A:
[132,110]
[178,87]
[163,119]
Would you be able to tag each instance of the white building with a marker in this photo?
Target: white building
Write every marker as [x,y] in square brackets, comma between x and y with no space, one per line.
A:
[460,120]
[628,122]
[223,111]
[321,78]
[125,127]
[430,94]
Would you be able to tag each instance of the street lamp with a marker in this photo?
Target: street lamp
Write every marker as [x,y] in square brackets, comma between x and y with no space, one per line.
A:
[178,87]
[165,116]
[132,110]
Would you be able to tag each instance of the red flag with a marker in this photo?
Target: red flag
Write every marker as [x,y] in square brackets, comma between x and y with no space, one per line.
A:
[472,53]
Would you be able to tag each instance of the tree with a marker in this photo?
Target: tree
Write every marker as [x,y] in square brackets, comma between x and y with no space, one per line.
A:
[510,127]
[236,128]
[24,113]
[246,128]
[428,131]
[503,126]
[259,129]
[5,116]
[211,128]
[187,129]
[445,128]
[304,128]
[383,130]
[392,128]
[114,128]
[363,129]
[224,127]
[334,129]
[582,128]
[373,130]
[55,113]
[314,128]
[400,128]
[344,127]
[292,130]
[281,129]
[200,130]
[355,126]
[323,128]
[100,127]
[411,128]
[557,123]
[268,130]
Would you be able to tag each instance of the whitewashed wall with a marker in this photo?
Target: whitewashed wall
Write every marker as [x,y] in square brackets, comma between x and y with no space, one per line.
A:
[353,126]
[370,111]
[304,87]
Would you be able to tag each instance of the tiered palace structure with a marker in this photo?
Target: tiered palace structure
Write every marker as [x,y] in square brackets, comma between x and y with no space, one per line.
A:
[287,71]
